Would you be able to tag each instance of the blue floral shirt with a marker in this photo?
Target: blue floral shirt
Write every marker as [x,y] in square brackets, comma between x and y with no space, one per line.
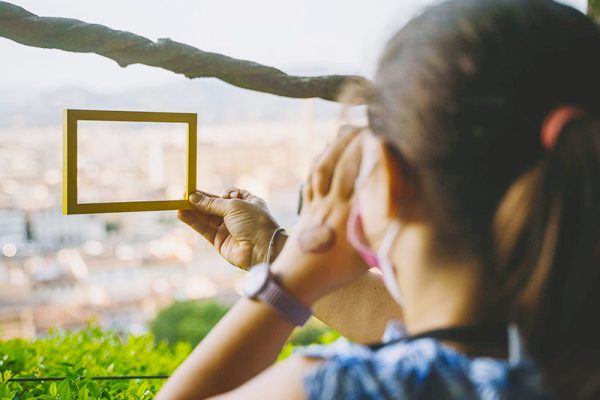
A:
[419,369]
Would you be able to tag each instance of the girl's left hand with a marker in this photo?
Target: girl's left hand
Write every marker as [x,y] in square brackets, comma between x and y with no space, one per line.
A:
[317,259]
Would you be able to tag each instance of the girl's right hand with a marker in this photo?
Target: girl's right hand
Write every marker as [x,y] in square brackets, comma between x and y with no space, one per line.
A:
[238,224]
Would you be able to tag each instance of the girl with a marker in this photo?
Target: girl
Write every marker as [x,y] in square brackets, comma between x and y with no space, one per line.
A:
[477,195]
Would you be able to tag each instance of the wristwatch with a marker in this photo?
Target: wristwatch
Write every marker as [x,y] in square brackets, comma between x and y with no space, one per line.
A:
[260,285]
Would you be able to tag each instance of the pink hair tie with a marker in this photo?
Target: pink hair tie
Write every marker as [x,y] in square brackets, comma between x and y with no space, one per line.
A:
[555,122]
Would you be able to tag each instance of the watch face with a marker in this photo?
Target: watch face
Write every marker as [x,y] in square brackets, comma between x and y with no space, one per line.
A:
[256,280]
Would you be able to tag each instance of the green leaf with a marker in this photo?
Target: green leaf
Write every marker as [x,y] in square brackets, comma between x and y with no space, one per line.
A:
[6,391]
[142,389]
[94,389]
[64,389]
[83,393]
[6,375]
[53,390]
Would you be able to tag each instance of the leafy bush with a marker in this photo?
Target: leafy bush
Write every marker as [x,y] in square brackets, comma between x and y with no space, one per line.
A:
[328,336]
[91,352]
[190,321]
[187,321]
[311,333]
[96,352]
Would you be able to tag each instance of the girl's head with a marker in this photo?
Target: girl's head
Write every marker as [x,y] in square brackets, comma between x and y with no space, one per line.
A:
[461,96]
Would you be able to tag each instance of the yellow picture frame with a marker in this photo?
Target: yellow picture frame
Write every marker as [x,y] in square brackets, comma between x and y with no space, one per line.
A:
[70,119]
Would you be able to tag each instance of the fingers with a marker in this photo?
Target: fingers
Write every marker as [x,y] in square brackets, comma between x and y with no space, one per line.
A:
[303,197]
[322,175]
[231,193]
[347,169]
[236,193]
[317,160]
[246,195]
[242,194]
[206,193]
[203,224]
[209,205]
[307,194]
[188,215]
[221,235]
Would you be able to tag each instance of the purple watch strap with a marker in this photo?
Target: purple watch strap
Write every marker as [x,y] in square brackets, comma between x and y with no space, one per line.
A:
[284,303]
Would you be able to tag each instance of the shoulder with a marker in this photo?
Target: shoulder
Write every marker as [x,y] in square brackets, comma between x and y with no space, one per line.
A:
[421,368]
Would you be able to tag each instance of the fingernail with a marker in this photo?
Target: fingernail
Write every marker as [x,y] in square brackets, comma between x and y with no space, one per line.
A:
[195,198]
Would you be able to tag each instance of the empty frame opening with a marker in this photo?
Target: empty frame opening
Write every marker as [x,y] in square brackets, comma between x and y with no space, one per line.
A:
[130,161]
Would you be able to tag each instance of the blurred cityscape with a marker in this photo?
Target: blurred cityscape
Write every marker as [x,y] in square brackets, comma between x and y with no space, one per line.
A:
[120,269]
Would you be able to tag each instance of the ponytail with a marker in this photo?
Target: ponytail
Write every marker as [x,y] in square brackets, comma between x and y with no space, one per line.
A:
[547,248]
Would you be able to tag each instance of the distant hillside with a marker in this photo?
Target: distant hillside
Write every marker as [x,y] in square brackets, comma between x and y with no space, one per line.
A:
[214,101]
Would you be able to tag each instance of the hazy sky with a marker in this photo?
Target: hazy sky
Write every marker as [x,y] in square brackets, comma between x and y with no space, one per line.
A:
[333,36]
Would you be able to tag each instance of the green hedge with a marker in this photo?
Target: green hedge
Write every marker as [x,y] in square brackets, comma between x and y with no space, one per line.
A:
[187,321]
[190,321]
[91,352]
[97,352]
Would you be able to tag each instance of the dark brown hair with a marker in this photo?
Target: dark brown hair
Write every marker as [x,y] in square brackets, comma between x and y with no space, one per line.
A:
[462,92]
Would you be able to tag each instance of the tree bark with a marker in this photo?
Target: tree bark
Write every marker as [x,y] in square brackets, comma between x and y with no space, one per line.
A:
[126,48]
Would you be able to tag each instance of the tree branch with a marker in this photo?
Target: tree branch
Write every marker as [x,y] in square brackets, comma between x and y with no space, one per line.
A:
[126,48]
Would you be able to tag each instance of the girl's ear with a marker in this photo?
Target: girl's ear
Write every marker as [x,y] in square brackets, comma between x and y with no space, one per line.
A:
[385,192]
[401,196]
